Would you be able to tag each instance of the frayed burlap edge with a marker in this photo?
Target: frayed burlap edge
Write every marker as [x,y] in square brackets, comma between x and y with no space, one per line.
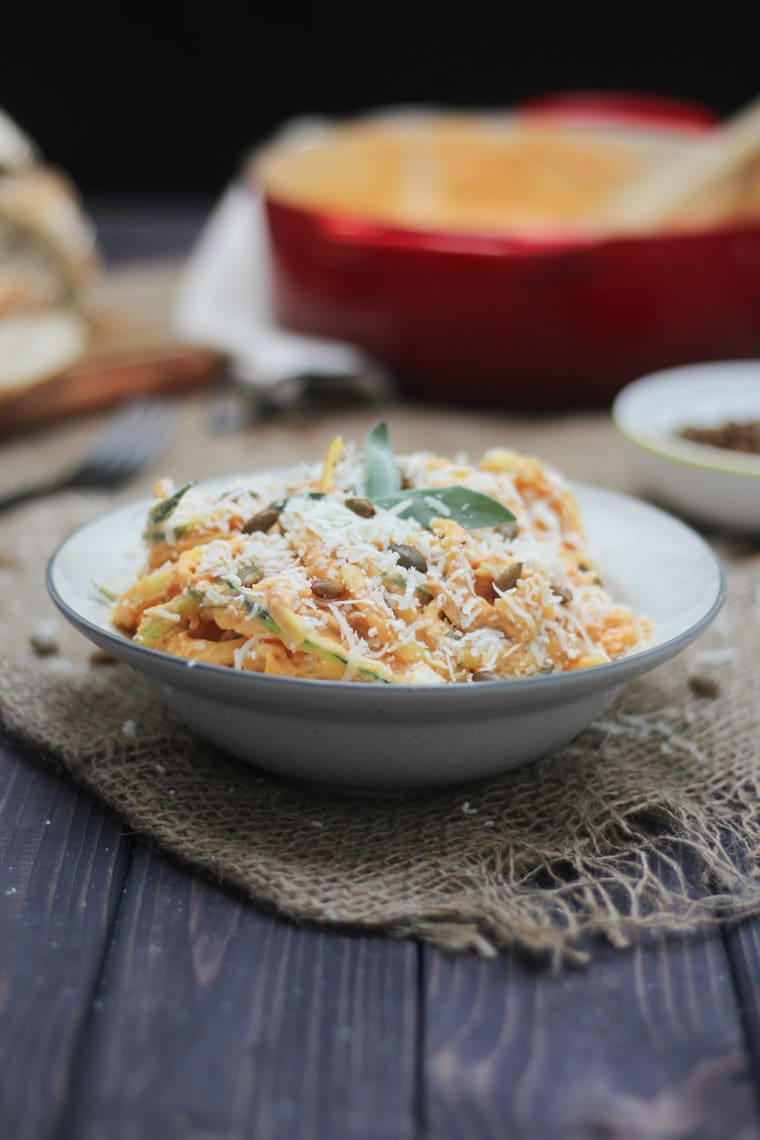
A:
[648,821]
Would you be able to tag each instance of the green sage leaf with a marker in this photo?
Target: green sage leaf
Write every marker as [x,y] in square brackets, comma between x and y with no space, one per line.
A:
[471,509]
[163,509]
[381,473]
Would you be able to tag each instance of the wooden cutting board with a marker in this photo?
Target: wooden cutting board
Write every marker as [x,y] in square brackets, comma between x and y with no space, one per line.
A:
[132,352]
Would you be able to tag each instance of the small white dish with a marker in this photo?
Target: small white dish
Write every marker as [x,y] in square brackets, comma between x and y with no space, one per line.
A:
[384,739]
[711,485]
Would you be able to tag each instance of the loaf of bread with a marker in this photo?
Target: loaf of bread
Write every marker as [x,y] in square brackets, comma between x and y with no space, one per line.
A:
[16,149]
[48,254]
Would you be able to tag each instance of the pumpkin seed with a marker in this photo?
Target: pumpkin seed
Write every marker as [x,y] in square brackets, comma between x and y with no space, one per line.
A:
[327,588]
[362,507]
[563,593]
[508,579]
[703,686]
[263,521]
[485,675]
[250,575]
[409,557]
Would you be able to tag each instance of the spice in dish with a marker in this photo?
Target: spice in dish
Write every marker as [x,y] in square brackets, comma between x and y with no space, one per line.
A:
[379,568]
[735,435]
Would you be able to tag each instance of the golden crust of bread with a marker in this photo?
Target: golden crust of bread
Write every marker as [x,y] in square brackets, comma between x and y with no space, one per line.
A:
[43,202]
[48,254]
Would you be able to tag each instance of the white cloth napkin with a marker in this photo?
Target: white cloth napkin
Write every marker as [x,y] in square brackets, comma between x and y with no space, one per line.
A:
[223,301]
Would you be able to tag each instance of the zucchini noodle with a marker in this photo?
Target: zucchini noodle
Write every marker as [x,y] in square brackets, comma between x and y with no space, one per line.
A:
[300,575]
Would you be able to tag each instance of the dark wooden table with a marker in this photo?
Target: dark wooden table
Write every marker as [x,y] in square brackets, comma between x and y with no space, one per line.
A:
[140,1002]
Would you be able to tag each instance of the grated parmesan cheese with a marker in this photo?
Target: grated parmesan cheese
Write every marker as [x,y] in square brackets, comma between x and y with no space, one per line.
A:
[246,599]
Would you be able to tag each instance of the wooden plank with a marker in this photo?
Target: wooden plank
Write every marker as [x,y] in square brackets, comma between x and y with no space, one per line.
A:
[62,866]
[742,944]
[644,1043]
[217,1021]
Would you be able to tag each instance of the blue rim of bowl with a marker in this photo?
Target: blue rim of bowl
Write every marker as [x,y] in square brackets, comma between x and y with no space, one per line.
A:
[616,671]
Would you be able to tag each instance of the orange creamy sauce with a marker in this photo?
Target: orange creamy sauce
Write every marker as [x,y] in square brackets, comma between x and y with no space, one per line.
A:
[475,173]
[454,172]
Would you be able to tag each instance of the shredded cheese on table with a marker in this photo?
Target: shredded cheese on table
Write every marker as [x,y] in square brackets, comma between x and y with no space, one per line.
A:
[280,575]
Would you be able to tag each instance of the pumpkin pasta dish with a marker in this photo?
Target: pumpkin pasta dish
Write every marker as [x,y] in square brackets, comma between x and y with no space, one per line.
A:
[374,567]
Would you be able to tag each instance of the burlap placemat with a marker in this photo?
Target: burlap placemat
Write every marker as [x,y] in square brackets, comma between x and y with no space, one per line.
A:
[648,820]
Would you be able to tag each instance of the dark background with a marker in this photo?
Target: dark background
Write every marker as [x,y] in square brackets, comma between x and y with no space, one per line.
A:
[132,111]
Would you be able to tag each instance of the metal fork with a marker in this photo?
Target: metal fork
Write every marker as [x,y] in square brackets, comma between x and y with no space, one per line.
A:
[132,437]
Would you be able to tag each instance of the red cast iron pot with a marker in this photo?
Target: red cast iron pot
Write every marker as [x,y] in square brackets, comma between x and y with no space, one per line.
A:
[561,319]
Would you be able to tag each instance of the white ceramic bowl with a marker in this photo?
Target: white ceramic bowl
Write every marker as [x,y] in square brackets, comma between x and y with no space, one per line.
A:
[384,738]
[711,485]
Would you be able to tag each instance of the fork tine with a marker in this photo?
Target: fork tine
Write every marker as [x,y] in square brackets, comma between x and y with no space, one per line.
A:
[142,445]
[144,441]
[125,421]
[119,428]
[131,437]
